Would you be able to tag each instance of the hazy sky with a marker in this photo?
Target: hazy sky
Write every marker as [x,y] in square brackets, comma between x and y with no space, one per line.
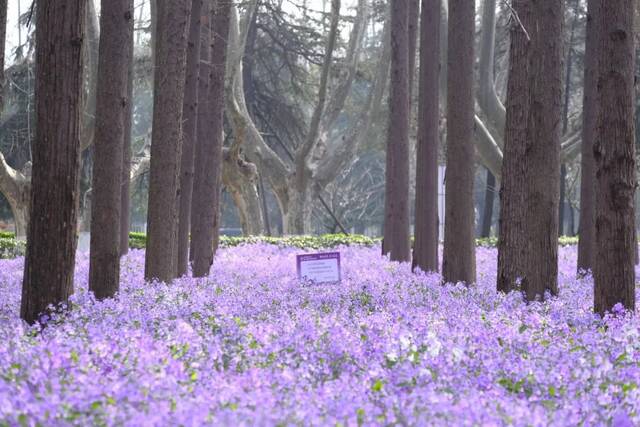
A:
[15,8]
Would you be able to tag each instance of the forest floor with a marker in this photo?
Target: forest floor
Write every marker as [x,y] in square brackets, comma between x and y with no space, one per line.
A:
[252,345]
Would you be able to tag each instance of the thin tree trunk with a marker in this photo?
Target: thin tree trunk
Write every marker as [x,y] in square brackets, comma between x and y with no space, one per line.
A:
[3,36]
[542,173]
[561,205]
[190,112]
[587,231]
[459,264]
[396,217]
[125,197]
[614,152]
[206,195]
[166,146]
[425,250]
[511,241]
[489,196]
[116,23]
[51,245]
[203,122]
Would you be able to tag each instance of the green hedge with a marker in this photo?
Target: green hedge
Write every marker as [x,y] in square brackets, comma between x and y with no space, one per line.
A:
[10,247]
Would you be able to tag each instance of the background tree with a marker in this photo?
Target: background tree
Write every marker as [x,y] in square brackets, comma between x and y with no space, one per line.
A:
[209,159]
[190,112]
[169,80]
[51,244]
[586,245]
[614,152]
[425,251]
[396,213]
[116,38]
[458,263]
[511,240]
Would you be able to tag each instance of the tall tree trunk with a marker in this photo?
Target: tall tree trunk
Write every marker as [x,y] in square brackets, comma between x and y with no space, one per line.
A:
[511,240]
[614,152]
[51,245]
[206,195]
[166,139]
[190,112]
[396,217]
[489,196]
[587,232]
[542,173]
[459,264]
[203,122]
[125,196]
[561,205]
[116,35]
[3,36]
[425,250]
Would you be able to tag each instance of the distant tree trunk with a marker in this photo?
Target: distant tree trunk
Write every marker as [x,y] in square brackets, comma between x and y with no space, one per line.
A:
[51,243]
[458,263]
[587,231]
[489,196]
[425,250]
[561,205]
[125,197]
[565,119]
[203,122]
[3,36]
[166,139]
[190,112]
[116,35]
[206,195]
[614,152]
[511,240]
[542,170]
[396,217]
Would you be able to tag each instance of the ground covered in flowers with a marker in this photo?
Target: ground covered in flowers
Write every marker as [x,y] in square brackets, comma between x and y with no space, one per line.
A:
[252,345]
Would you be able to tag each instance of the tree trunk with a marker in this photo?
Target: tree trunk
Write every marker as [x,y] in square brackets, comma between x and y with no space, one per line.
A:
[3,36]
[458,263]
[169,80]
[51,246]
[125,197]
[542,169]
[511,240]
[190,112]
[561,206]
[209,161]
[116,36]
[614,152]
[425,250]
[587,224]
[396,216]
[489,196]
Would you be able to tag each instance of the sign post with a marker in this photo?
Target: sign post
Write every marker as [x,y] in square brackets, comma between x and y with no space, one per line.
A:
[319,268]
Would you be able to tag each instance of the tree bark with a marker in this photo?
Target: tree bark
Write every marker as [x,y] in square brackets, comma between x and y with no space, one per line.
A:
[489,197]
[116,35]
[3,37]
[51,244]
[458,263]
[203,122]
[542,173]
[206,196]
[125,197]
[614,153]
[190,112]
[169,80]
[396,216]
[425,250]
[587,231]
[511,240]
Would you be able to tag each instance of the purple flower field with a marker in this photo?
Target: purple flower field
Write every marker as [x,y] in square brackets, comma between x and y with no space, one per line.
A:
[253,346]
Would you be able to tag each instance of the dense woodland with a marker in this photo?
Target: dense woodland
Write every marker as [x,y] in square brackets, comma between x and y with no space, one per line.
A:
[296,118]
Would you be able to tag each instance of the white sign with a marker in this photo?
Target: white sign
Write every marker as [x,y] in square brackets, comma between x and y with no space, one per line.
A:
[319,268]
